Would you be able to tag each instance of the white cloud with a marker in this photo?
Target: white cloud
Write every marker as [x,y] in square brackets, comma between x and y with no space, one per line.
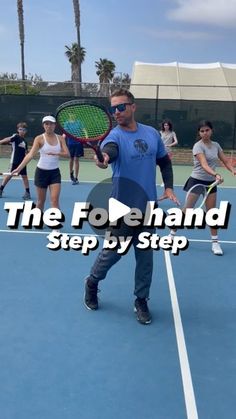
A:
[182,34]
[179,34]
[213,12]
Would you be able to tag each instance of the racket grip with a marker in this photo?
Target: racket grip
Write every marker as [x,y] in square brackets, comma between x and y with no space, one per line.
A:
[8,174]
[99,155]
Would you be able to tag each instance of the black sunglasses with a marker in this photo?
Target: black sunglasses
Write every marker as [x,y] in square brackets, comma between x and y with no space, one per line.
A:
[121,107]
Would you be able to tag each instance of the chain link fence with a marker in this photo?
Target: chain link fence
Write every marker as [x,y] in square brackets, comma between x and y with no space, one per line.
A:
[182,104]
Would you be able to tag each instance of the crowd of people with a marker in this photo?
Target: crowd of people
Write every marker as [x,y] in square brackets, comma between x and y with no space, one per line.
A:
[133,150]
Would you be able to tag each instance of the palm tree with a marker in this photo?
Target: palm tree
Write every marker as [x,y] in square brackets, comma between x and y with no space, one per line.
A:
[126,80]
[79,61]
[72,53]
[20,12]
[122,80]
[105,72]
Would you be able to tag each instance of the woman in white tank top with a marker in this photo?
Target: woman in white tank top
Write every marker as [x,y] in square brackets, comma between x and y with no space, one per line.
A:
[47,175]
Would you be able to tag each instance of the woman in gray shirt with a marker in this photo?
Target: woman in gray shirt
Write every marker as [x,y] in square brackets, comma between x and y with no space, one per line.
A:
[206,154]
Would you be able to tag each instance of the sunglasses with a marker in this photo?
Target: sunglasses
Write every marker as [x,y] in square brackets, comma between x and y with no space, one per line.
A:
[22,129]
[121,107]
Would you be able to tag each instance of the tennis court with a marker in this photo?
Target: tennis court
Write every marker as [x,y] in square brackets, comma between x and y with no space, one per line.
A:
[61,361]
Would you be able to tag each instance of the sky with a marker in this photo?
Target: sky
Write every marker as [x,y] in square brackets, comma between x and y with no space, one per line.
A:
[124,31]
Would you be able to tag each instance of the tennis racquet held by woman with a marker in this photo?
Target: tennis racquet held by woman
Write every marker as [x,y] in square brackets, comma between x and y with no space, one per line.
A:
[197,194]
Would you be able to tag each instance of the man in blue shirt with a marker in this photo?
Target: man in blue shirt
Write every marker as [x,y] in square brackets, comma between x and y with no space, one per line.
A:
[133,150]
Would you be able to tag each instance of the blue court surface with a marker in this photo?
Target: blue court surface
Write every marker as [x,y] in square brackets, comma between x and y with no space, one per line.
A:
[61,361]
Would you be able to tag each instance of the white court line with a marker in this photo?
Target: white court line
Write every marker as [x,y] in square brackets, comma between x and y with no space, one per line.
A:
[97,235]
[48,232]
[109,177]
[209,241]
[189,396]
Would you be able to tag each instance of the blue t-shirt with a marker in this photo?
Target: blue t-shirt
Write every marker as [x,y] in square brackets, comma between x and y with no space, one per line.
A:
[75,128]
[136,162]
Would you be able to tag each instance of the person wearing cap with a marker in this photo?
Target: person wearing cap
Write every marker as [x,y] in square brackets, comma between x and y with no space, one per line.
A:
[19,150]
[51,146]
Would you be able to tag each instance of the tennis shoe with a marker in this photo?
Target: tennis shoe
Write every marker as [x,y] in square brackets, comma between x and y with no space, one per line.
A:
[216,249]
[75,181]
[26,196]
[72,176]
[142,311]
[90,295]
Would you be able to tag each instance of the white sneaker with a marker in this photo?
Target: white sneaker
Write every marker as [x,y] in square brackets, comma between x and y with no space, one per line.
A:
[216,249]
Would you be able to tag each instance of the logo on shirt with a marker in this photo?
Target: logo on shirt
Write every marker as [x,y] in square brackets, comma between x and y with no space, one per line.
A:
[22,145]
[141,146]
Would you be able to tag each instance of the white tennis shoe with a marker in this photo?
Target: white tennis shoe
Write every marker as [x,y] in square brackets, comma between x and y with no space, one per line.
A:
[216,249]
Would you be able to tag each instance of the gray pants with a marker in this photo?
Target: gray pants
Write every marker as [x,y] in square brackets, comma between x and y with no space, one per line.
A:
[144,262]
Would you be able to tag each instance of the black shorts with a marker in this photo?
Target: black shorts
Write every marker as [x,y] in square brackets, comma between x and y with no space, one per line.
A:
[76,150]
[193,181]
[13,166]
[43,178]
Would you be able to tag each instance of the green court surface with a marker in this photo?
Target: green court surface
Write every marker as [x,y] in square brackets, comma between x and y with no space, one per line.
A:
[90,173]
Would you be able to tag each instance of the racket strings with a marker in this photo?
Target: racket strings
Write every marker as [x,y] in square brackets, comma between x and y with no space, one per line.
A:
[195,195]
[85,122]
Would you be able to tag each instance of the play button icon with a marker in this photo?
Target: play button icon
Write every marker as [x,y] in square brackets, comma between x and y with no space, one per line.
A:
[116,209]
[102,196]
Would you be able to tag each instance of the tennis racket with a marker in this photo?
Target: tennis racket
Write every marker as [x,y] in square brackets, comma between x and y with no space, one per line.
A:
[197,194]
[8,174]
[86,122]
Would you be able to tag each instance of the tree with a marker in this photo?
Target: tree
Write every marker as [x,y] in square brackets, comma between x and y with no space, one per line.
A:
[72,53]
[20,12]
[105,72]
[77,24]
[10,83]
[123,80]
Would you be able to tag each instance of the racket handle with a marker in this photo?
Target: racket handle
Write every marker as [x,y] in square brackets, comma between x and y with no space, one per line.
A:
[99,154]
[8,174]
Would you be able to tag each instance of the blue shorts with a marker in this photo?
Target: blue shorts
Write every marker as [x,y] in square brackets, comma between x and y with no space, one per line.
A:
[44,178]
[76,150]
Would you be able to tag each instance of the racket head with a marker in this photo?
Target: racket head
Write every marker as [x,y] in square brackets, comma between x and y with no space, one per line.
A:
[196,196]
[84,121]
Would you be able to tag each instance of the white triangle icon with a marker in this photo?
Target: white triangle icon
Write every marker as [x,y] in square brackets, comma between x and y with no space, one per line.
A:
[117,209]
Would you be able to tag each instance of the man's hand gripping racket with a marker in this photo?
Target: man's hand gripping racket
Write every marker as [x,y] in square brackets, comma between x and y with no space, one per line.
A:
[86,122]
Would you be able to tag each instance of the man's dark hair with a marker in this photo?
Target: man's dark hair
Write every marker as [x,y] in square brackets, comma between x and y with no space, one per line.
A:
[123,92]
